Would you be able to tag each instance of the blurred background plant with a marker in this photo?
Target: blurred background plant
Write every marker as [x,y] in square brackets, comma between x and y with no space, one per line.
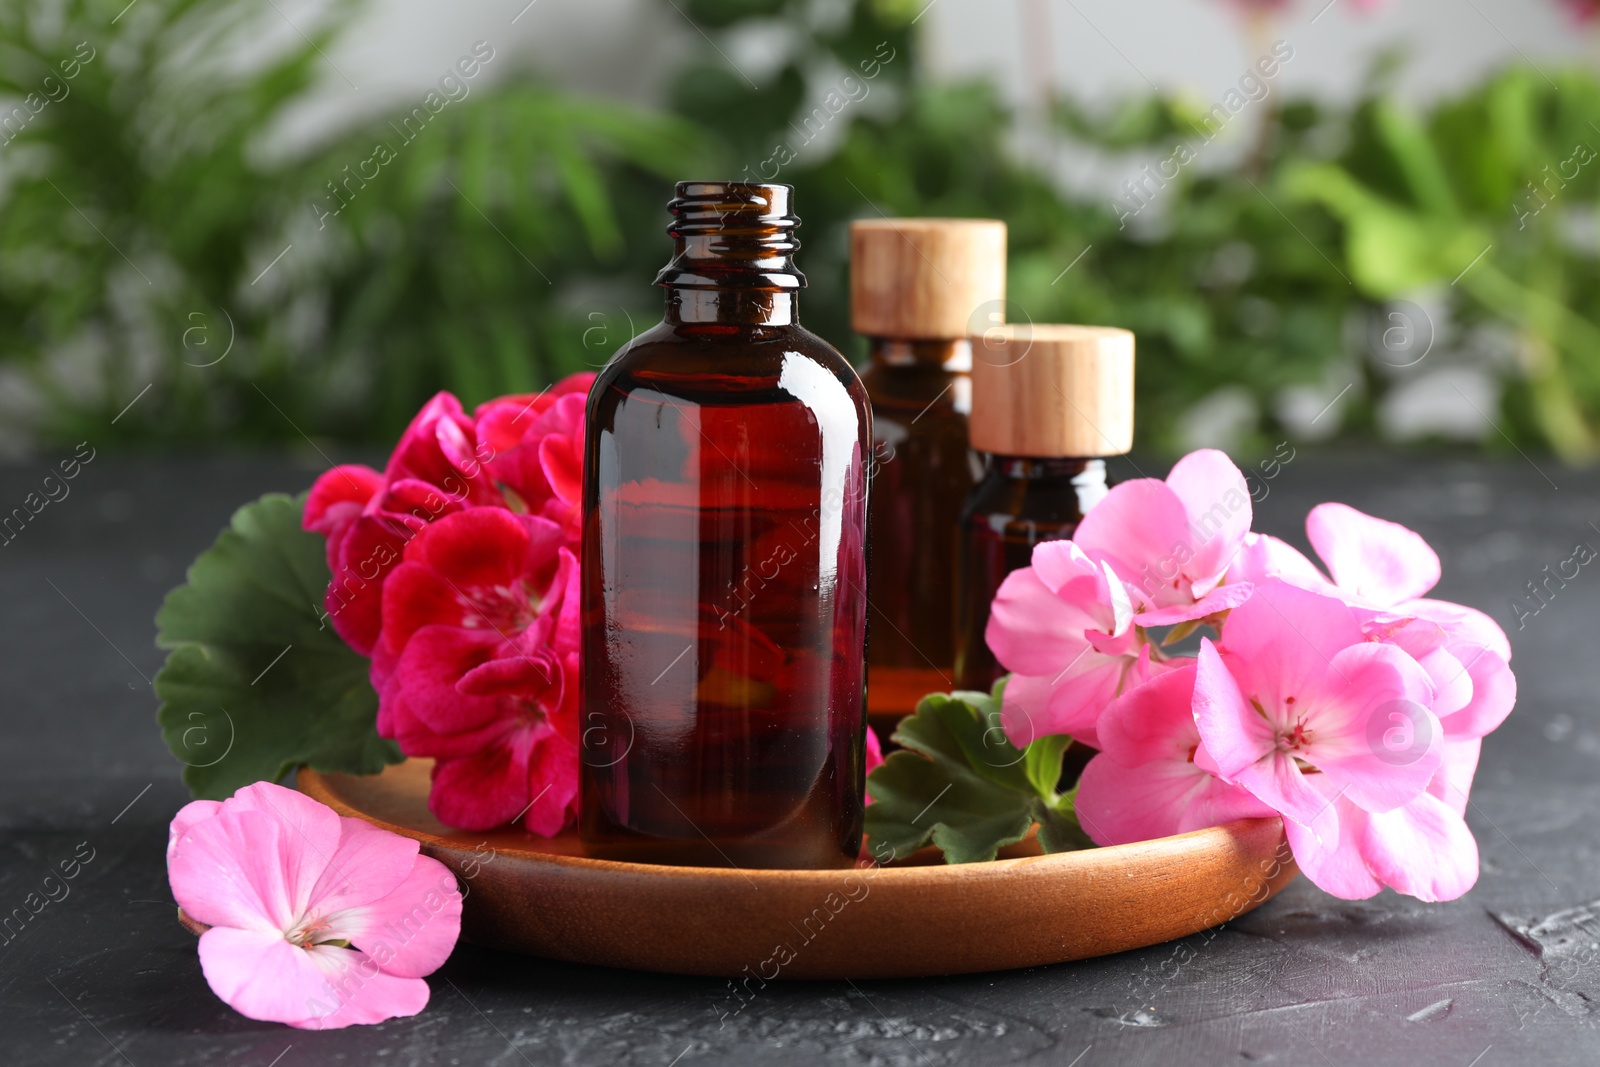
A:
[160,248]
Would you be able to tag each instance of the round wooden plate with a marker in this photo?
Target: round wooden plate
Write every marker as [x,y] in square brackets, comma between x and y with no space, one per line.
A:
[547,899]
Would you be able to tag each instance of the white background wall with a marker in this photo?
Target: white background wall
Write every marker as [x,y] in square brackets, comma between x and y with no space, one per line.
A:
[1095,49]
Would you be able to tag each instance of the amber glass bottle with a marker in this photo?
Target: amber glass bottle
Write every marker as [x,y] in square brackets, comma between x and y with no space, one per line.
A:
[1047,403]
[723,568]
[918,288]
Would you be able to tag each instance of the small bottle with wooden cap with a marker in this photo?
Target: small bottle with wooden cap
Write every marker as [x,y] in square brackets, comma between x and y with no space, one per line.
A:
[1048,404]
[918,289]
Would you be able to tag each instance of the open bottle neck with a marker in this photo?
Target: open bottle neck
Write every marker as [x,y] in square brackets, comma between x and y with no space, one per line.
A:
[733,246]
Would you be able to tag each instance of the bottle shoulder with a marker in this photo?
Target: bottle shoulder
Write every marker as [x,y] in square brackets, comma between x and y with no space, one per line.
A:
[689,359]
[701,363]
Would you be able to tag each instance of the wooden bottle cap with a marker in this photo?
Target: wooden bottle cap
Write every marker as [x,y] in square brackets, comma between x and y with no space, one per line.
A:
[926,279]
[1052,391]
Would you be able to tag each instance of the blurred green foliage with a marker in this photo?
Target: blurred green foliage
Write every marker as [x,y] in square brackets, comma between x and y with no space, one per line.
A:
[514,238]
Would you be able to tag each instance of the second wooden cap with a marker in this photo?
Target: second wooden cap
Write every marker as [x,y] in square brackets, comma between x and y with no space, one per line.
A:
[1052,391]
[926,279]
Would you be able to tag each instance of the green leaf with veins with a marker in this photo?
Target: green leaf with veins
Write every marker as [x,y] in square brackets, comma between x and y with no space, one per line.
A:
[959,784]
[256,682]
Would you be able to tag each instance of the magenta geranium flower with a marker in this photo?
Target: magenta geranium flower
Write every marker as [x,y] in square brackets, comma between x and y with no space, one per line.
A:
[316,921]
[478,668]
[474,648]
[515,452]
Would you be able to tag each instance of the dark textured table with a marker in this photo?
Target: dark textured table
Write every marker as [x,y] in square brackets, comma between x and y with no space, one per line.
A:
[1510,974]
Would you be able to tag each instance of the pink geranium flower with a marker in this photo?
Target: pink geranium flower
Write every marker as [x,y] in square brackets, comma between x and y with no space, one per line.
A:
[479,668]
[1295,690]
[1383,570]
[315,920]
[1423,848]
[1151,777]
[1171,542]
[1064,628]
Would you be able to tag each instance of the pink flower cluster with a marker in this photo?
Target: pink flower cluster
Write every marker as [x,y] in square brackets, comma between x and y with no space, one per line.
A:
[1346,702]
[456,571]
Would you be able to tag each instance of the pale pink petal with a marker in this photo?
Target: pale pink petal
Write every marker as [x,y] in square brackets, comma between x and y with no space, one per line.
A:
[1236,736]
[368,864]
[1153,721]
[1279,783]
[1145,783]
[1494,694]
[1097,593]
[254,863]
[196,811]
[1373,735]
[1452,683]
[1371,558]
[1141,529]
[356,991]
[1328,851]
[1423,849]
[1279,642]
[1222,598]
[1452,782]
[1038,706]
[262,976]
[1033,631]
[1118,804]
[410,931]
[1217,502]
[1464,624]
[1263,557]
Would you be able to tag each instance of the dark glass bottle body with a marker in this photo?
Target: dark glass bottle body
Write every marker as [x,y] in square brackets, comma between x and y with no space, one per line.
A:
[1019,503]
[724,575]
[923,470]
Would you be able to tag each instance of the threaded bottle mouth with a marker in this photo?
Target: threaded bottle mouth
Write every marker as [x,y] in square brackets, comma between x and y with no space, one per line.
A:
[733,235]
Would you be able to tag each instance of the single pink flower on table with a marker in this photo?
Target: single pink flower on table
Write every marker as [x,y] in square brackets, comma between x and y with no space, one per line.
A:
[1294,690]
[1151,777]
[1171,542]
[316,921]
[1064,628]
[479,668]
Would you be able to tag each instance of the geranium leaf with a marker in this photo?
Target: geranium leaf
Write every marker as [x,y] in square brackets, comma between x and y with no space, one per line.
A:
[256,682]
[1043,763]
[959,784]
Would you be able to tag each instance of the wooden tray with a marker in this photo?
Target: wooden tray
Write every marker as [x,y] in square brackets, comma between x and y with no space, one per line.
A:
[922,918]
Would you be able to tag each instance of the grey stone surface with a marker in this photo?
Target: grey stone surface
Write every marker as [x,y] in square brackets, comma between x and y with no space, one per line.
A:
[1510,974]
